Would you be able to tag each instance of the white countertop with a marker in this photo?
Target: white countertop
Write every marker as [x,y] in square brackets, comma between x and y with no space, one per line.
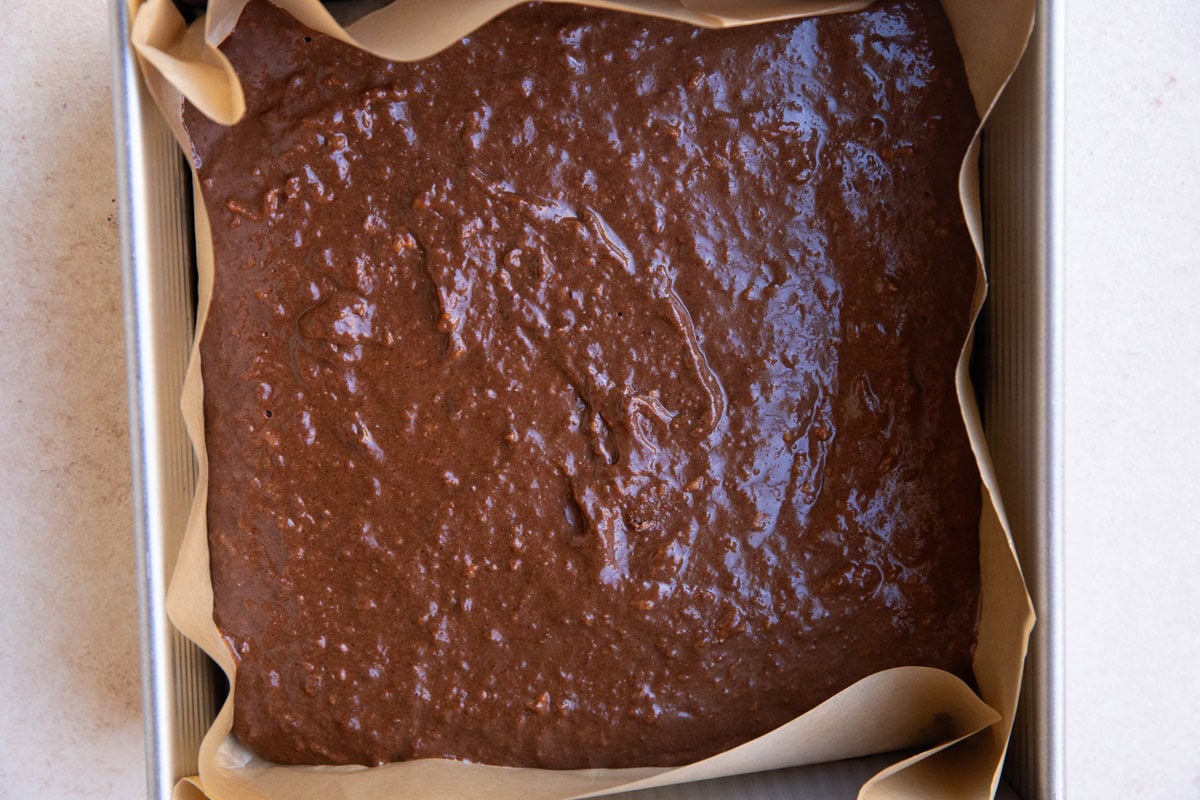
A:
[1133,400]
[70,722]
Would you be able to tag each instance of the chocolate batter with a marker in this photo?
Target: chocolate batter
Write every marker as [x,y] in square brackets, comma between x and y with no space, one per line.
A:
[583,396]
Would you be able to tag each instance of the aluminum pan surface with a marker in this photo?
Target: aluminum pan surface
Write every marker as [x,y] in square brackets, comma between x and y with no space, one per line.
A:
[178,683]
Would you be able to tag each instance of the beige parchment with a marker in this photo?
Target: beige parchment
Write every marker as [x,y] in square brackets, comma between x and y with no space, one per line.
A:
[965,734]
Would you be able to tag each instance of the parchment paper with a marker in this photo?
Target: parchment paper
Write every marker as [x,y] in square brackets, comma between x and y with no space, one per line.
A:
[966,736]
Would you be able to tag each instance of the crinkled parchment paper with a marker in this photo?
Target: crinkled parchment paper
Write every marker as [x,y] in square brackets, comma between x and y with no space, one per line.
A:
[905,707]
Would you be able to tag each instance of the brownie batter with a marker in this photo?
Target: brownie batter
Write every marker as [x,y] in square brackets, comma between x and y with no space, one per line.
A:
[583,396]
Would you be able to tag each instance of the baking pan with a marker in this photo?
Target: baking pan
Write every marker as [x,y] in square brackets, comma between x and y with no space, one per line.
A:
[1017,368]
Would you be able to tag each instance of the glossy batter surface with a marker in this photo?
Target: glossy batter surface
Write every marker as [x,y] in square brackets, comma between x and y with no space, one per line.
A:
[584,395]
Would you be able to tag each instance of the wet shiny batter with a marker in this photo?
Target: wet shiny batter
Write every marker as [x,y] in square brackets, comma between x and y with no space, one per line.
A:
[583,396]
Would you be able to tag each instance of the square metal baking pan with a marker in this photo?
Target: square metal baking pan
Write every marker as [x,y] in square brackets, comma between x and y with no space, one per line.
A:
[1018,371]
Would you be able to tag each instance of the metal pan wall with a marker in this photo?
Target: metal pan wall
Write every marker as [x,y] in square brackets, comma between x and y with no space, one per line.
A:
[156,251]
[1019,379]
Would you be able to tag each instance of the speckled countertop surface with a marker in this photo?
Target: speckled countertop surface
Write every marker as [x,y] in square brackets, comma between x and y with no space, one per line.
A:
[70,723]
[70,717]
